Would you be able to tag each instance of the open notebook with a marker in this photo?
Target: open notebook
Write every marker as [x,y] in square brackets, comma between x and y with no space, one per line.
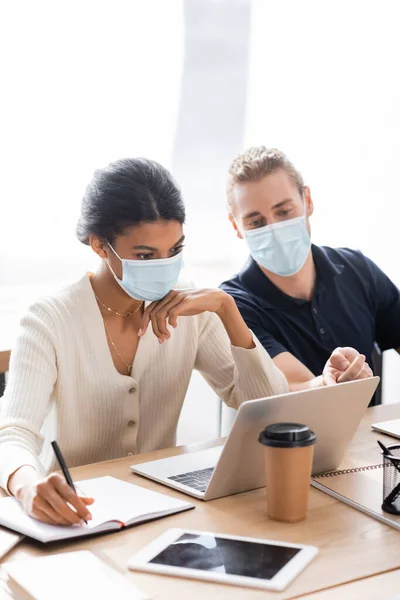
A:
[74,575]
[360,487]
[117,504]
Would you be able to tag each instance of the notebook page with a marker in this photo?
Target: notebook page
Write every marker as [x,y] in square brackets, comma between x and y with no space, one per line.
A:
[13,516]
[125,502]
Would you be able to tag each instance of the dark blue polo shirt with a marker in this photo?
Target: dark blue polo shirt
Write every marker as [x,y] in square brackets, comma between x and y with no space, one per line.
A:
[354,304]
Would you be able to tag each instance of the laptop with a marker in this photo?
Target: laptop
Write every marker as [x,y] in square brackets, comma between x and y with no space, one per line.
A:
[388,427]
[332,412]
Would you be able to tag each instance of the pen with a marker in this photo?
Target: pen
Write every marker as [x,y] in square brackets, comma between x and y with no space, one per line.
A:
[387,453]
[395,492]
[383,448]
[63,466]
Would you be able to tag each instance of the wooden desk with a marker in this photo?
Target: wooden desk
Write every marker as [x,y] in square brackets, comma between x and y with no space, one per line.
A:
[380,587]
[352,545]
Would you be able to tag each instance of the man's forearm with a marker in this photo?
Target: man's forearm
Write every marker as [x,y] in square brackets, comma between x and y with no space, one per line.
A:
[311,384]
[298,376]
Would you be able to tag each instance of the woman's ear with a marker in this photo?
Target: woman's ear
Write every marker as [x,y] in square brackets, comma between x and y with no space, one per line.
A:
[235,226]
[308,201]
[98,245]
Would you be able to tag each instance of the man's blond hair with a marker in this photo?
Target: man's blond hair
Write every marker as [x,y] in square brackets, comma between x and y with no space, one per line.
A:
[258,162]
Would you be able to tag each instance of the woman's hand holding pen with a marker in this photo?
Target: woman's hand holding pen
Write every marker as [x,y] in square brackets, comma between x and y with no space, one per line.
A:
[48,499]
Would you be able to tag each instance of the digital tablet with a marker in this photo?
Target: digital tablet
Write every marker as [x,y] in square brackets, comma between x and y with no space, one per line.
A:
[221,558]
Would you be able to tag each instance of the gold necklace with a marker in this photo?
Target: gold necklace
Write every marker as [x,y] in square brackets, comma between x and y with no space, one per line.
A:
[129,367]
[126,315]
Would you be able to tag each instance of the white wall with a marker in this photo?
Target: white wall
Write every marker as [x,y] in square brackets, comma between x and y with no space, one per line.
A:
[87,82]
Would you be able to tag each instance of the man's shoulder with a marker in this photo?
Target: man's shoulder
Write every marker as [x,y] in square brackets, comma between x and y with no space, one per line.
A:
[232,285]
[357,266]
[244,279]
[236,287]
[349,257]
[343,253]
[244,288]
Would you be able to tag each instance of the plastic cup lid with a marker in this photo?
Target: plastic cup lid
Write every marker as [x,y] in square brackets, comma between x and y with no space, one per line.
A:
[287,435]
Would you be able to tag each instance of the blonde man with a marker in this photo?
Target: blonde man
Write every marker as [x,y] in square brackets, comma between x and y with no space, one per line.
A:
[303,302]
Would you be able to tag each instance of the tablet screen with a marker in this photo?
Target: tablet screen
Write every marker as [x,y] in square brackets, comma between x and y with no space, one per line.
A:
[207,552]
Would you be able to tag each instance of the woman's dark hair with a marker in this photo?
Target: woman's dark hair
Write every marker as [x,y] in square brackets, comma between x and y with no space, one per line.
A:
[128,192]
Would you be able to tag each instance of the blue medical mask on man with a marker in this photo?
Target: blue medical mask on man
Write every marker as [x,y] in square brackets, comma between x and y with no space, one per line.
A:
[148,280]
[281,248]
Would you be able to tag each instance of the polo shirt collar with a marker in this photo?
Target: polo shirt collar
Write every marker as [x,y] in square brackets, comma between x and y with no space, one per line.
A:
[256,283]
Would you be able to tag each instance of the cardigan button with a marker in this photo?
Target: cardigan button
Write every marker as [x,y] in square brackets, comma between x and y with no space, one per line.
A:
[131,423]
[132,390]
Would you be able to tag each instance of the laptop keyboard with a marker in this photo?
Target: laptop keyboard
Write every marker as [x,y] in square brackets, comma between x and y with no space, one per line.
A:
[197,480]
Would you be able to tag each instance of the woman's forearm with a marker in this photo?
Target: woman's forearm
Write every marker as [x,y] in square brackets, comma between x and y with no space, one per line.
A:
[237,330]
[23,476]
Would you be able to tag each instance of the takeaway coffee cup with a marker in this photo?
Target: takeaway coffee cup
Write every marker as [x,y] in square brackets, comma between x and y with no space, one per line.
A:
[288,452]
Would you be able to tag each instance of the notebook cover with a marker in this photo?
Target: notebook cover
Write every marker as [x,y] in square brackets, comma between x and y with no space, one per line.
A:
[361,490]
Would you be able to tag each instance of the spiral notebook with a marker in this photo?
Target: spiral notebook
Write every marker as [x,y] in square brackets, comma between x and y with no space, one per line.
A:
[359,487]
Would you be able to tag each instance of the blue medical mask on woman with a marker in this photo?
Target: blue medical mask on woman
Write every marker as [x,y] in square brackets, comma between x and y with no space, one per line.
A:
[281,248]
[148,279]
